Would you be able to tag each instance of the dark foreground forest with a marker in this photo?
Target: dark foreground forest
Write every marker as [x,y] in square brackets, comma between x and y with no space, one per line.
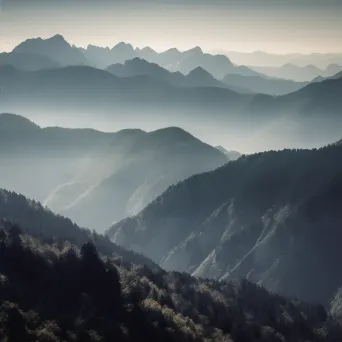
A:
[58,292]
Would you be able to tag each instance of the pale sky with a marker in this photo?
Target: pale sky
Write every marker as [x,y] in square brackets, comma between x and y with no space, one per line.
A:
[275,26]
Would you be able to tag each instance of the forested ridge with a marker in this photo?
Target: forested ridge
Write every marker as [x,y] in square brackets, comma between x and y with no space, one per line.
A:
[57,292]
[59,282]
[272,217]
[39,222]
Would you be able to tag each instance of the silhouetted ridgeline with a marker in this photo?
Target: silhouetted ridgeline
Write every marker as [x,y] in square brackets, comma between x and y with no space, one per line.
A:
[40,222]
[60,293]
[272,217]
[308,117]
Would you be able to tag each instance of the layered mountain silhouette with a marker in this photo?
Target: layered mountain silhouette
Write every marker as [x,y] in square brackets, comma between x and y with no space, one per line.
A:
[272,217]
[217,65]
[195,78]
[86,90]
[308,117]
[103,57]
[334,77]
[232,155]
[59,50]
[96,178]
[38,53]
[264,59]
[299,73]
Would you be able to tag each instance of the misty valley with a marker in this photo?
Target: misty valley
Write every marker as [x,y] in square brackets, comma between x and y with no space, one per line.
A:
[169,196]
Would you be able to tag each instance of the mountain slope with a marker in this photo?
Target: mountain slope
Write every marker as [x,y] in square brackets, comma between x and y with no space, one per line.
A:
[56,291]
[150,165]
[232,155]
[41,223]
[27,61]
[258,84]
[96,178]
[272,217]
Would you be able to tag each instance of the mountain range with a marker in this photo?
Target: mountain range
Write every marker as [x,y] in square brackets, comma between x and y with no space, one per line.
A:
[90,93]
[164,221]
[96,178]
[57,49]
[139,67]
[271,217]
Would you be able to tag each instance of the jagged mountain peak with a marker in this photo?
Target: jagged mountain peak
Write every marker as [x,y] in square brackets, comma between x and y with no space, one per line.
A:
[199,71]
[195,50]
[123,45]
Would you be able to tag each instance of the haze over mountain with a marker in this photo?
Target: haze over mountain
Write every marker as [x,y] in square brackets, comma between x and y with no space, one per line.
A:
[172,59]
[299,73]
[155,187]
[139,67]
[197,77]
[245,122]
[271,217]
[259,84]
[232,155]
[96,178]
[264,59]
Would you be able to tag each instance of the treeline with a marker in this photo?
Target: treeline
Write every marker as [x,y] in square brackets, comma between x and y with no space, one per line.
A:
[57,292]
[38,221]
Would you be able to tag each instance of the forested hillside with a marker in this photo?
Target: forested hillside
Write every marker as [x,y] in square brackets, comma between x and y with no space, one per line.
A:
[60,293]
[272,217]
[40,222]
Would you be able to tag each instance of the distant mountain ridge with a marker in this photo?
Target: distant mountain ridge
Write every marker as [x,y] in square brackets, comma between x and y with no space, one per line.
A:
[139,67]
[299,74]
[264,59]
[60,51]
[56,48]
[232,155]
[93,177]
[92,93]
